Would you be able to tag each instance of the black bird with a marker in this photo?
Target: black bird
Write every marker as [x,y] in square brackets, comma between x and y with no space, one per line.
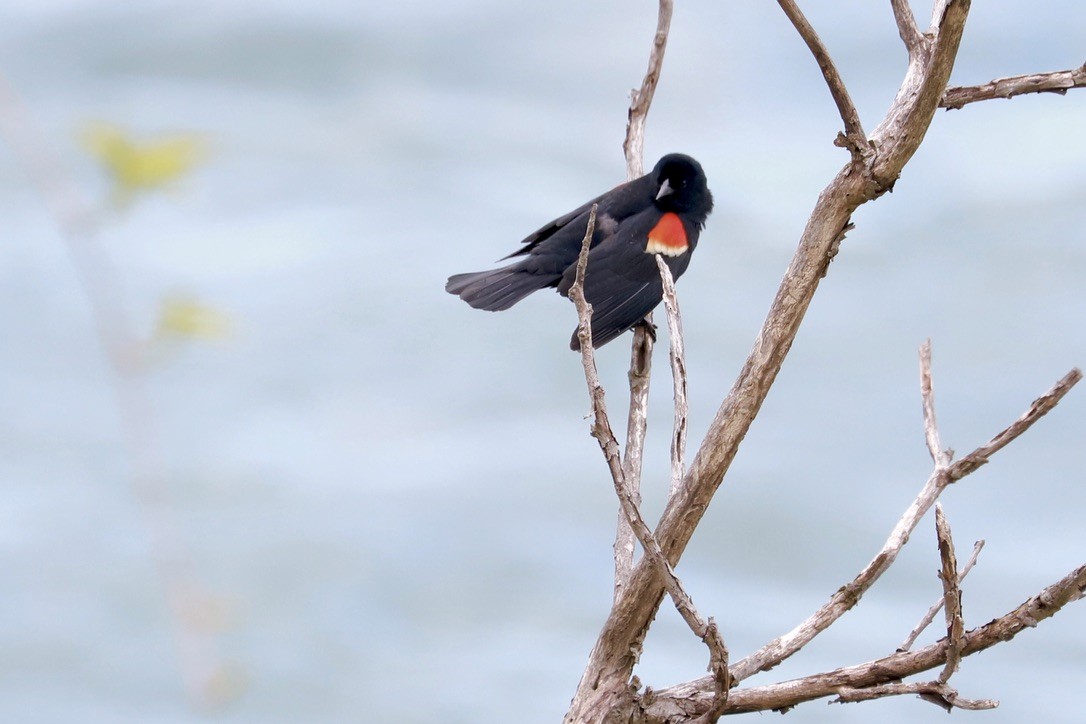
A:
[662,212]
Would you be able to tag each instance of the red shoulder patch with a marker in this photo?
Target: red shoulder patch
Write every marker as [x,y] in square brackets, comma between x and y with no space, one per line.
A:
[668,237]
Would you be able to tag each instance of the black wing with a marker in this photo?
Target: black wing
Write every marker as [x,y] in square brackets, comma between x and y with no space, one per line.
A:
[615,205]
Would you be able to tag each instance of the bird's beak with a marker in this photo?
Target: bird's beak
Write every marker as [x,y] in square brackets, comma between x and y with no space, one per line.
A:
[665,189]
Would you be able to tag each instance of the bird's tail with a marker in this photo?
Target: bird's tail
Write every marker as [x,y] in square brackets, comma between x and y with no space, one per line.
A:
[498,289]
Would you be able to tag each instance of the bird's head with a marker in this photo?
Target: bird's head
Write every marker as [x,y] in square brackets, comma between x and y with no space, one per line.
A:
[681,186]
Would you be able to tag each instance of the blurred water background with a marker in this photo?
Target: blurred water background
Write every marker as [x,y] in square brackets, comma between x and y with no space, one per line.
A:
[386,505]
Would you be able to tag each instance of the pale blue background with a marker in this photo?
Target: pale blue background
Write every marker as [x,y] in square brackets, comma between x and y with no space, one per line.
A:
[395,496]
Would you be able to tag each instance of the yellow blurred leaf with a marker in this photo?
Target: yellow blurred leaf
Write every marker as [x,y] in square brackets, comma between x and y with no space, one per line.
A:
[142,165]
[183,317]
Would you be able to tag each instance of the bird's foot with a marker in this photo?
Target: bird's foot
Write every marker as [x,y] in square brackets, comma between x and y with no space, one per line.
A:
[649,327]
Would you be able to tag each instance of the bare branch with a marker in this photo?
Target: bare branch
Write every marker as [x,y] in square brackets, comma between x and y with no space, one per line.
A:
[936,692]
[634,145]
[1059,81]
[906,26]
[931,431]
[636,426]
[938,14]
[641,353]
[928,617]
[952,596]
[856,139]
[678,375]
[722,679]
[849,595]
[584,332]
[693,697]
[1038,409]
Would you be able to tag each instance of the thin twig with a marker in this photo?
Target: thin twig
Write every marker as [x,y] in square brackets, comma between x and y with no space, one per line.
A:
[1059,81]
[931,430]
[584,333]
[934,691]
[928,617]
[634,145]
[855,138]
[1038,409]
[952,596]
[678,375]
[641,352]
[906,26]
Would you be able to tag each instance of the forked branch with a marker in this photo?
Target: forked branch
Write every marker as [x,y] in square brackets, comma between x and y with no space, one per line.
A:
[929,616]
[906,26]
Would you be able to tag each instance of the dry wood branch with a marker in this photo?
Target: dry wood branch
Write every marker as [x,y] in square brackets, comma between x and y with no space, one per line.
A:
[934,691]
[918,97]
[928,617]
[686,700]
[636,426]
[855,138]
[1054,82]
[952,596]
[634,145]
[641,352]
[601,426]
[718,668]
[906,26]
[931,430]
[849,595]
[1038,409]
[678,375]
[603,690]
[707,631]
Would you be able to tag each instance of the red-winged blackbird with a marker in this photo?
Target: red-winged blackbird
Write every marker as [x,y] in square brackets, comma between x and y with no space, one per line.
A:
[662,212]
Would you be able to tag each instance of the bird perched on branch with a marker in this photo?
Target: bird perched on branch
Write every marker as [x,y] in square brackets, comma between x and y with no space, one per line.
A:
[662,212]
